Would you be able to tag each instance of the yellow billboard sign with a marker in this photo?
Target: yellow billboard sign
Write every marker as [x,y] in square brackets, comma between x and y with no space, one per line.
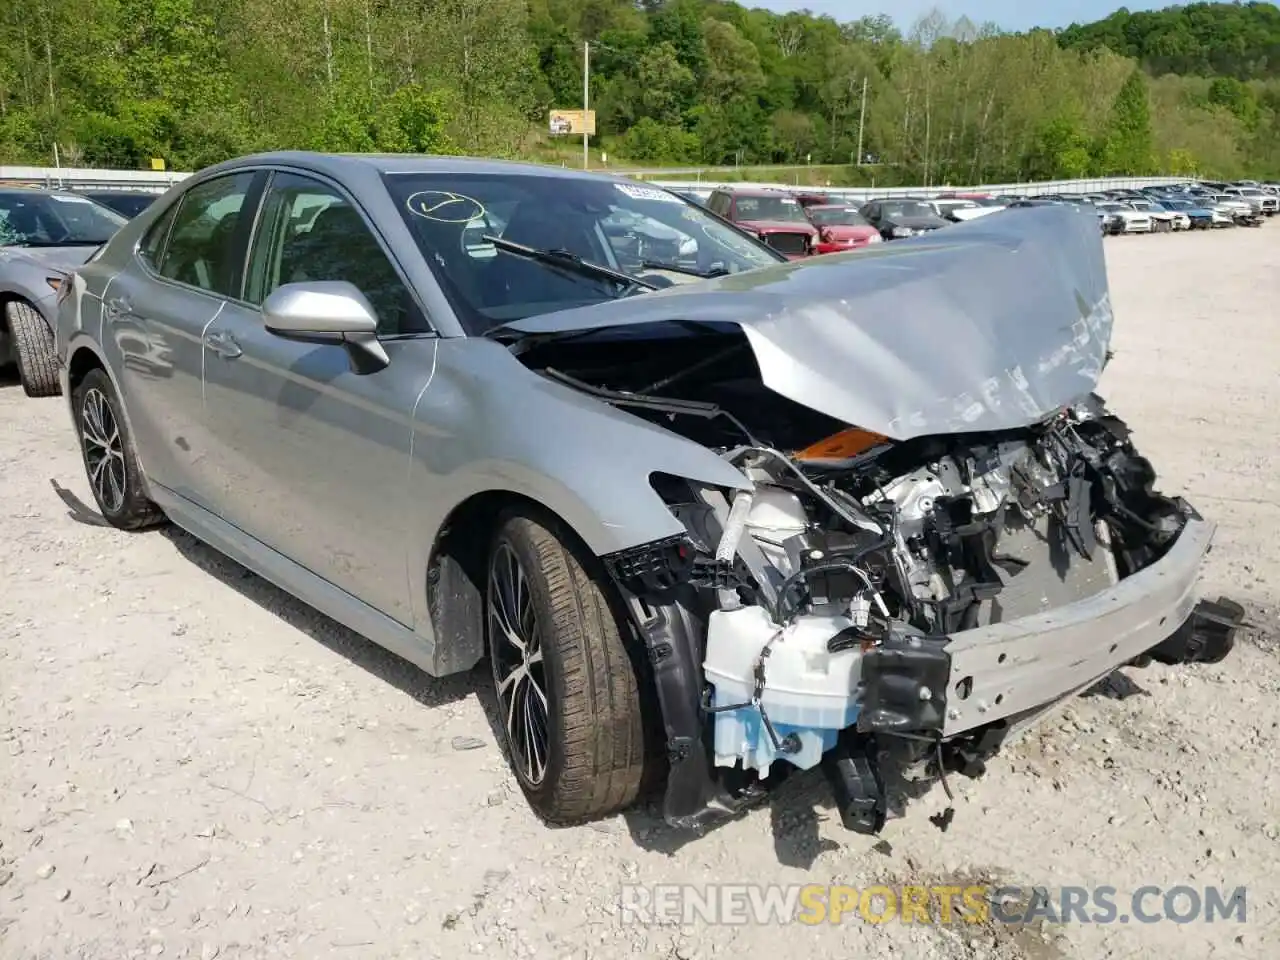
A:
[573,123]
[157,163]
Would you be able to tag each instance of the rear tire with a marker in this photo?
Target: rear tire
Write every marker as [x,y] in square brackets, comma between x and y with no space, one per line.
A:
[567,687]
[110,462]
[34,349]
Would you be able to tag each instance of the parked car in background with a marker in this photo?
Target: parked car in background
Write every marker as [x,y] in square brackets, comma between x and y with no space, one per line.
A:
[1125,219]
[127,203]
[899,217]
[43,235]
[1241,211]
[1162,220]
[776,218]
[1258,198]
[959,209]
[1198,217]
[841,228]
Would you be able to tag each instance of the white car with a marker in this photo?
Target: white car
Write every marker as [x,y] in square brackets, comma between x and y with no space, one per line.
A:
[960,209]
[1164,220]
[1232,206]
[1135,221]
[1258,198]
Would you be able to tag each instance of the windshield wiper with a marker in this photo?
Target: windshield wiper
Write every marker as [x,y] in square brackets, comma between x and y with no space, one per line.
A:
[687,271]
[571,262]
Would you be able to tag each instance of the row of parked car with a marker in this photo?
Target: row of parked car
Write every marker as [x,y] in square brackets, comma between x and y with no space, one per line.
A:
[802,223]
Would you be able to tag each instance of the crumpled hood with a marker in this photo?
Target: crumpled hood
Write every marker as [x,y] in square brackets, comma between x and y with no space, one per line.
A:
[62,259]
[991,324]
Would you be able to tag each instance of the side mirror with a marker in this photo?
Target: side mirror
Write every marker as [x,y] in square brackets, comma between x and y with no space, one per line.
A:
[327,311]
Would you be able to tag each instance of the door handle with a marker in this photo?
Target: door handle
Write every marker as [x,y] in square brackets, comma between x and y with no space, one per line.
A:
[224,345]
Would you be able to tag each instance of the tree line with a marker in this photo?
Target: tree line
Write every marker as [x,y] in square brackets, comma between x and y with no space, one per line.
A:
[114,83]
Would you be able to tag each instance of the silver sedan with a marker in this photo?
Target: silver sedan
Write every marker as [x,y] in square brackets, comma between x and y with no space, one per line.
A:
[708,513]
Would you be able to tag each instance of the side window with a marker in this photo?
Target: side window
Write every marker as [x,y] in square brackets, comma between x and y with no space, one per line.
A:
[151,250]
[309,231]
[202,244]
[720,204]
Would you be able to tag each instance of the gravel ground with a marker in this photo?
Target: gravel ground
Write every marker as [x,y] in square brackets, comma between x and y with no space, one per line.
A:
[196,765]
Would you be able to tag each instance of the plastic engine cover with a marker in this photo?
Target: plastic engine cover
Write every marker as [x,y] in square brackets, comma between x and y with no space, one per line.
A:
[808,691]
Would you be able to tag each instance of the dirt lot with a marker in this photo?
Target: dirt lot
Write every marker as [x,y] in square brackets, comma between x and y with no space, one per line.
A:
[195,765]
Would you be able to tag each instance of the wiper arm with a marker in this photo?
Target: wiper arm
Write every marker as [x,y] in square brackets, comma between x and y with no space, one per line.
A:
[687,271]
[568,261]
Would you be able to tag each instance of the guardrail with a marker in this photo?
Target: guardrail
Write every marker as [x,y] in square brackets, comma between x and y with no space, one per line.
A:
[152,181]
[158,181]
[1033,189]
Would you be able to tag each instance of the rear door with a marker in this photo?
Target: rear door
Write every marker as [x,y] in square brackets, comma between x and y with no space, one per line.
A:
[308,456]
[155,312]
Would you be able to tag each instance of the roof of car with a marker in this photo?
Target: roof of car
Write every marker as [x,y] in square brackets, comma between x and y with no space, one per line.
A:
[756,192]
[393,163]
[28,191]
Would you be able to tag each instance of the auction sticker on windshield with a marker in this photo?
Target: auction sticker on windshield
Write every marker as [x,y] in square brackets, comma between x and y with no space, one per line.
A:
[444,206]
[646,193]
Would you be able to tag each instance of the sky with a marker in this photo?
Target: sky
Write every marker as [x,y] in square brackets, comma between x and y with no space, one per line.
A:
[1009,14]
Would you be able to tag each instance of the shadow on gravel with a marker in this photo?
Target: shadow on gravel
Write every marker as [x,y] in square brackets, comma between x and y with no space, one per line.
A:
[365,654]
[77,509]
[9,377]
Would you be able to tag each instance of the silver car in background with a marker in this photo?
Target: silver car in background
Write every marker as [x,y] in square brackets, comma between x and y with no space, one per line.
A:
[713,517]
[43,234]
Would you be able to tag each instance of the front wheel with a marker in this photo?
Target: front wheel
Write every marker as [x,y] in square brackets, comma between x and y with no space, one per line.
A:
[567,685]
[115,478]
[34,349]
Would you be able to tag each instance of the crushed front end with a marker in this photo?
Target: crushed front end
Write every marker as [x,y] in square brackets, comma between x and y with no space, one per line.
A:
[872,602]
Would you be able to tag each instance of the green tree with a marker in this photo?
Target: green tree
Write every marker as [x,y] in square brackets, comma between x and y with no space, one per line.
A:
[1126,147]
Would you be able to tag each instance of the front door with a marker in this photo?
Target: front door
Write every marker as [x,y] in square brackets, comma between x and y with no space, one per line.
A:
[310,457]
[155,313]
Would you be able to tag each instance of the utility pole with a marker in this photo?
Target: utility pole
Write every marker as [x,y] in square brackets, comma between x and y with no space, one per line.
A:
[862,116]
[586,99]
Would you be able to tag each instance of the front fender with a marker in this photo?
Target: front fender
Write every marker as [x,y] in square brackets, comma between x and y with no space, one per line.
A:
[487,424]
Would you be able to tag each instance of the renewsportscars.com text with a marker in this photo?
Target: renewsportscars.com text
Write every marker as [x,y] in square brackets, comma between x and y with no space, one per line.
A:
[680,904]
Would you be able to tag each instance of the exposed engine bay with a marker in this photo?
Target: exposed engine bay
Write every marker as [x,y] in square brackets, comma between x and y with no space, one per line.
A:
[824,617]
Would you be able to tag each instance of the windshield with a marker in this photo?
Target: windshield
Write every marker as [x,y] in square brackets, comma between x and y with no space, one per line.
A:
[907,208]
[126,204]
[784,209]
[837,217]
[631,228]
[1110,207]
[36,219]
[956,204]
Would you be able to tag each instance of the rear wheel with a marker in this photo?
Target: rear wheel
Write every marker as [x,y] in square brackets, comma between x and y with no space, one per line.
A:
[110,462]
[34,349]
[567,687]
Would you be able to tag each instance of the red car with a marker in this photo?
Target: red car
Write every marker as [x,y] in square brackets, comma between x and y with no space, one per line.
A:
[775,217]
[841,228]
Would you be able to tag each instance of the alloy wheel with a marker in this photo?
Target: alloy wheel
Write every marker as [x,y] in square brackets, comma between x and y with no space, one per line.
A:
[515,648]
[103,450]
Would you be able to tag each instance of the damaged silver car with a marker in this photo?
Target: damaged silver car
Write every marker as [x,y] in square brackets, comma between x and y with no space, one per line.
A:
[711,515]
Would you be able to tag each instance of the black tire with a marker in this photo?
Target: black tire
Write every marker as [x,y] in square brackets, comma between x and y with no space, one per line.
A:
[595,748]
[117,485]
[34,349]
